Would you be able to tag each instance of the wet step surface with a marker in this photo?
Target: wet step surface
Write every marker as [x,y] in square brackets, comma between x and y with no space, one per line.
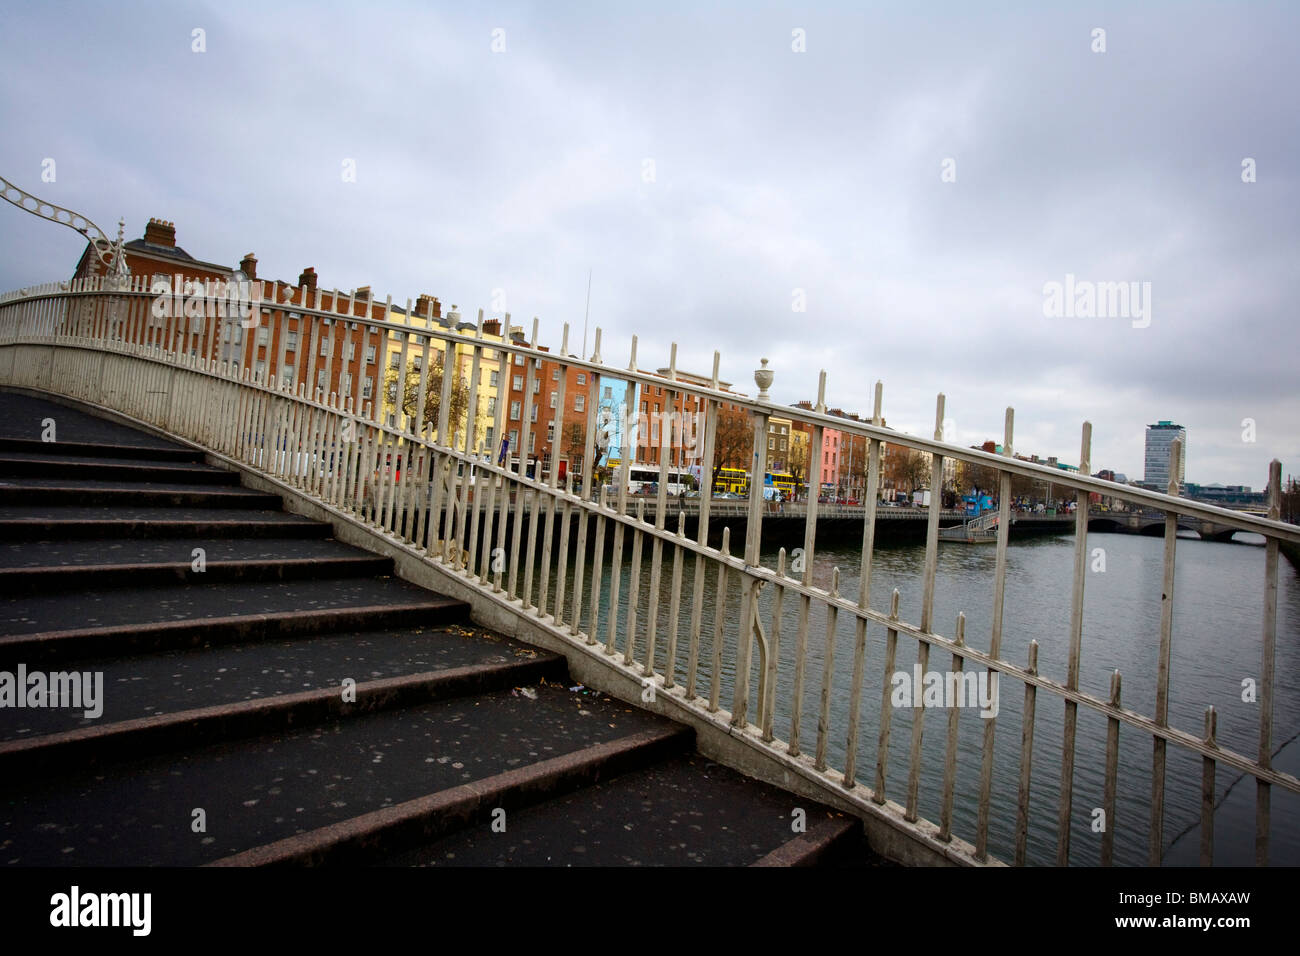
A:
[8,485]
[126,606]
[77,460]
[269,788]
[684,811]
[173,681]
[120,551]
[24,416]
[142,513]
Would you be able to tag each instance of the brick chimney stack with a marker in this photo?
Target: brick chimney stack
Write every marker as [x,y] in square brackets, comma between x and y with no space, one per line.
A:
[160,233]
[248,266]
[308,279]
[492,327]
[428,306]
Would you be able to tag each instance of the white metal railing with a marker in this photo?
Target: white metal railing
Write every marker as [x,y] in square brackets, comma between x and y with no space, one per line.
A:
[100,342]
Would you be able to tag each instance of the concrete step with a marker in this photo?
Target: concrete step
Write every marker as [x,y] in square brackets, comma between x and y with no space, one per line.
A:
[19,464]
[51,580]
[682,811]
[45,523]
[167,682]
[56,492]
[27,417]
[368,838]
[94,552]
[45,629]
[163,452]
[259,791]
[105,744]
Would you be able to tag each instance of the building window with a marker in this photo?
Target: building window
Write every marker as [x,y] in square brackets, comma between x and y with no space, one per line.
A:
[263,336]
[291,343]
[532,441]
[488,438]
[534,413]
[519,360]
[550,432]
[514,438]
[345,383]
[324,346]
[771,444]
[394,359]
[555,374]
[370,355]
[579,403]
[351,351]
[320,379]
[492,405]
[493,378]
[537,385]
[417,362]
[519,383]
[582,378]
[260,368]
[553,398]
[514,411]
[366,385]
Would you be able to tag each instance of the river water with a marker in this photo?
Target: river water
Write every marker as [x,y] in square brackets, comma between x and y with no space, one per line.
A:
[1218,601]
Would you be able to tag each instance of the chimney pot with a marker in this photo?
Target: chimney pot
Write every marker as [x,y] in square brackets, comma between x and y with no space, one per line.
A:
[160,233]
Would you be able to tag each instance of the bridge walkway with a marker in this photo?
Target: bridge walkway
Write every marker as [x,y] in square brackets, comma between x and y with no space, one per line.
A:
[271,695]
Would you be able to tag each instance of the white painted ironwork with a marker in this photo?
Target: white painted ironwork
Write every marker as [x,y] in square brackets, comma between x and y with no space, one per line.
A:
[459,510]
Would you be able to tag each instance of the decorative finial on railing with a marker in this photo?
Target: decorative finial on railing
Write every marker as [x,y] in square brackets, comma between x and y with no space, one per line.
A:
[595,356]
[631,365]
[763,379]
[821,391]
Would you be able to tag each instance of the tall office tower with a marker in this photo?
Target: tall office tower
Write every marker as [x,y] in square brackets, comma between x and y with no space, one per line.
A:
[1159,437]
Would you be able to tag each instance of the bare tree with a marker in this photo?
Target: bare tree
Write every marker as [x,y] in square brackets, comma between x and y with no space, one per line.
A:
[574,443]
[432,397]
[732,442]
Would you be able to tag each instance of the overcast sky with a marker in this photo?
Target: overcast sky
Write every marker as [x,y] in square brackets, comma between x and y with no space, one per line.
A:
[714,178]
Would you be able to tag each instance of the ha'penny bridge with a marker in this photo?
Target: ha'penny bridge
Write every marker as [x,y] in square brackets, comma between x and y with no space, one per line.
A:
[338,666]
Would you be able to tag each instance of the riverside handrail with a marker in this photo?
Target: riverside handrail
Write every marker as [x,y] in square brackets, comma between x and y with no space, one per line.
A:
[104,341]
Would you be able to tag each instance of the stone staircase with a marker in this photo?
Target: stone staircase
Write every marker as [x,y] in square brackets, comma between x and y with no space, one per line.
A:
[250,691]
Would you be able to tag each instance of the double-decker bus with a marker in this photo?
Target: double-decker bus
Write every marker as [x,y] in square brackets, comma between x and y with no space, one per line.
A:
[781,481]
[736,481]
[731,481]
[642,479]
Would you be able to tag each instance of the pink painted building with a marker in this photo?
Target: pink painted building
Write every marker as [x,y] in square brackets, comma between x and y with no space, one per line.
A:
[829,461]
